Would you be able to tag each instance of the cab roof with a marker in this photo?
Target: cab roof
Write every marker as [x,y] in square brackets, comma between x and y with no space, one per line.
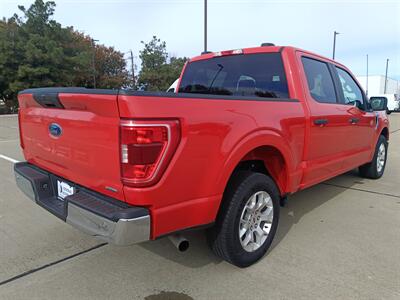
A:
[261,49]
[264,49]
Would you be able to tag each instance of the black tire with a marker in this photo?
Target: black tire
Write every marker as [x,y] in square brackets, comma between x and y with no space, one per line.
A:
[223,237]
[371,170]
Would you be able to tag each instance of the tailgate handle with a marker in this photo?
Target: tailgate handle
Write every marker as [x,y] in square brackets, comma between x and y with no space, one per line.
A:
[49,100]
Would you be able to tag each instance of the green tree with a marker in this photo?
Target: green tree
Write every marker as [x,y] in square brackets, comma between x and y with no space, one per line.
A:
[158,71]
[36,51]
[110,68]
[10,55]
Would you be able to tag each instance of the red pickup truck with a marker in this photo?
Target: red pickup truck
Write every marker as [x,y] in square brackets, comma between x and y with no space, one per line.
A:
[245,129]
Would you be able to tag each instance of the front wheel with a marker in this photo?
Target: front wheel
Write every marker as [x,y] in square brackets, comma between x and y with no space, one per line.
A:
[376,167]
[248,219]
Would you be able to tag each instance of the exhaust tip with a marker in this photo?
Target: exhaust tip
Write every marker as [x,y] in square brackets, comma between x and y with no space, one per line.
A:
[180,242]
[183,246]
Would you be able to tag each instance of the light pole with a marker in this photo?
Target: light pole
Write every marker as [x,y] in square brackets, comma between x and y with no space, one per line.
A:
[366,87]
[94,62]
[132,69]
[205,26]
[387,66]
[335,33]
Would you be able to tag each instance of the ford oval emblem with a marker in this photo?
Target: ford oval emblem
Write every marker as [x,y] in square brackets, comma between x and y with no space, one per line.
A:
[55,130]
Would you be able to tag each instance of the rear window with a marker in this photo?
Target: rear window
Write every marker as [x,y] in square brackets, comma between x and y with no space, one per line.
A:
[256,75]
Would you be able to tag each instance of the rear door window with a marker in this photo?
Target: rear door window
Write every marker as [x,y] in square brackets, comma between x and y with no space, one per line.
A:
[255,75]
[319,80]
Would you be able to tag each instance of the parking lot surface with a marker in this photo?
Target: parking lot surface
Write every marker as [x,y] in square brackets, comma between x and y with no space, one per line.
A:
[339,239]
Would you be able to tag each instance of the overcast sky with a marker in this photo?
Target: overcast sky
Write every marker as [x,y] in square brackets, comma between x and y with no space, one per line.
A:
[366,27]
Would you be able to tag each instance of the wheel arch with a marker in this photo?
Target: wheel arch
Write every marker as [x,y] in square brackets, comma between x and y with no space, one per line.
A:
[385,132]
[268,154]
[267,160]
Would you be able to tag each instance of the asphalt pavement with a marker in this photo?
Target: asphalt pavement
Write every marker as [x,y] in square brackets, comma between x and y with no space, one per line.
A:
[337,240]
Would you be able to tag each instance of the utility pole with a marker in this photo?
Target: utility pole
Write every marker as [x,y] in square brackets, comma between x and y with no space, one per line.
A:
[335,33]
[94,62]
[132,69]
[387,66]
[366,87]
[205,26]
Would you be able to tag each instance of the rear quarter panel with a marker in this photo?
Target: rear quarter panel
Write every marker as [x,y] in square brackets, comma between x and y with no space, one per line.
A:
[215,135]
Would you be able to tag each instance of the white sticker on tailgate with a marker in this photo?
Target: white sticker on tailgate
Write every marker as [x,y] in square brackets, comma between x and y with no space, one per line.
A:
[64,189]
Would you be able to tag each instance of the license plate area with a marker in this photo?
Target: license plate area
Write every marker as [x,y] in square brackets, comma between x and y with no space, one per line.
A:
[64,189]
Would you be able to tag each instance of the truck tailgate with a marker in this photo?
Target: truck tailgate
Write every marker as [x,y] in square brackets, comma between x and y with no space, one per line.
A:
[73,133]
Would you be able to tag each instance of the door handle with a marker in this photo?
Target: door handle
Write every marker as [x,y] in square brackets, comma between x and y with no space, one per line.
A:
[321,122]
[354,120]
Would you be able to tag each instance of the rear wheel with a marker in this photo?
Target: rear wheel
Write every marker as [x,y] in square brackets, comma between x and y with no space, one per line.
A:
[376,167]
[248,219]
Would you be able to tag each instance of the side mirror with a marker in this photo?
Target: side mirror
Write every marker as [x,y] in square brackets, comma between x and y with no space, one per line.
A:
[378,103]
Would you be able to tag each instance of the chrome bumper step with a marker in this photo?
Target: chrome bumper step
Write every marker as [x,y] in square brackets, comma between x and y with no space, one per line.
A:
[106,218]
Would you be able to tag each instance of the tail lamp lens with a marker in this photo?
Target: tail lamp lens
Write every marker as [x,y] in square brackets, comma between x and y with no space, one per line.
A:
[146,149]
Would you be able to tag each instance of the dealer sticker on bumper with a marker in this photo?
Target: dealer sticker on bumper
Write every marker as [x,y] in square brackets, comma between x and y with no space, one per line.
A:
[64,189]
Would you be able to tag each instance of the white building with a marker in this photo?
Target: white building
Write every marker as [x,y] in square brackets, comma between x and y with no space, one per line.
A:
[376,85]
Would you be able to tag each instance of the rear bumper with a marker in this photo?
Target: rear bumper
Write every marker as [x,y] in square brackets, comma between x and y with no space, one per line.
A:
[108,219]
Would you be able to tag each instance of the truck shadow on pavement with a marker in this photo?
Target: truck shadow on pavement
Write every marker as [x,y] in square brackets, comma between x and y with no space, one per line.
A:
[197,256]
[299,205]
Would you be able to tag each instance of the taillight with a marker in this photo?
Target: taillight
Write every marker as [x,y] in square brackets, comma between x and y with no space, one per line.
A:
[146,150]
[21,141]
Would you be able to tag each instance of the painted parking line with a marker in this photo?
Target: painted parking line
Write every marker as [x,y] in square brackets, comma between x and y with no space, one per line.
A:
[14,161]
[52,263]
[9,116]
